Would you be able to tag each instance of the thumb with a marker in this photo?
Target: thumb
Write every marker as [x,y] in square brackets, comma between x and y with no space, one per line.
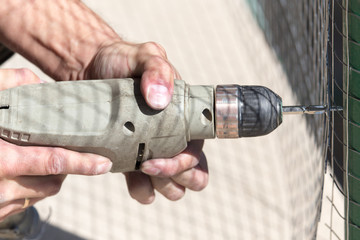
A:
[10,78]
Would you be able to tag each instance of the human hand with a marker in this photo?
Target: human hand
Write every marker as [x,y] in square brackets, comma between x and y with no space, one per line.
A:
[149,61]
[35,173]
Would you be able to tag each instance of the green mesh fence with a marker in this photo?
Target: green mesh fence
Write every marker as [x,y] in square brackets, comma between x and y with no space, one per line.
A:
[352,93]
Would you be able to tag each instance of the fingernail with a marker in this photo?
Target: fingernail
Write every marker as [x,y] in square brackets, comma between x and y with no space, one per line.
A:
[103,168]
[158,96]
[151,170]
[42,81]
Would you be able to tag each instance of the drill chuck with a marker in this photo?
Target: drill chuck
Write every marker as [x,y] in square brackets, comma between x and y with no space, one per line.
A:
[246,111]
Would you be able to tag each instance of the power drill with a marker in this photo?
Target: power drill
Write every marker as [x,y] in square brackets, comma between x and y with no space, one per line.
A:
[111,118]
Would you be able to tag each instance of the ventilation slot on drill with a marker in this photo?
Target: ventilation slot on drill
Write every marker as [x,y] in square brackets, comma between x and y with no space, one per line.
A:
[4,106]
[140,156]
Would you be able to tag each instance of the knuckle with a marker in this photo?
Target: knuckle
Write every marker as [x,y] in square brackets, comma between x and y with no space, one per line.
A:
[153,48]
[158,61]
[161,64]
[166,68]
[180,164]
[183,165]
[55,163]
[167,167]
[171,170]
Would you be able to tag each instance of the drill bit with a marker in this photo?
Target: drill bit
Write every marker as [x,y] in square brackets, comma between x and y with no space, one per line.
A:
[311,109]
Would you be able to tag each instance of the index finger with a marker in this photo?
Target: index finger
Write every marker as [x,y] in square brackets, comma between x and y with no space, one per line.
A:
[18,160]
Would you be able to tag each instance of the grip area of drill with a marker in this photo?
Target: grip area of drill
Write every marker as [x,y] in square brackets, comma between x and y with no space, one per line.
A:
[246,111]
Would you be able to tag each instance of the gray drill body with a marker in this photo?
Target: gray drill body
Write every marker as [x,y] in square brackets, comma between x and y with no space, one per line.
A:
[106,117]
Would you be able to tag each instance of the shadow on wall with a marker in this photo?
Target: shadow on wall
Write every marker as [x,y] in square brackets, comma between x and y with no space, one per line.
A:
[55,233]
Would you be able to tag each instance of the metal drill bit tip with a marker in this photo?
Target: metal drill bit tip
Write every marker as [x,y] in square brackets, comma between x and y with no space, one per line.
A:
[311,109]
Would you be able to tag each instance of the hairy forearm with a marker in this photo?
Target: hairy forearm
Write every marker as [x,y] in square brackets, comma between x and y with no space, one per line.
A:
[59,36]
